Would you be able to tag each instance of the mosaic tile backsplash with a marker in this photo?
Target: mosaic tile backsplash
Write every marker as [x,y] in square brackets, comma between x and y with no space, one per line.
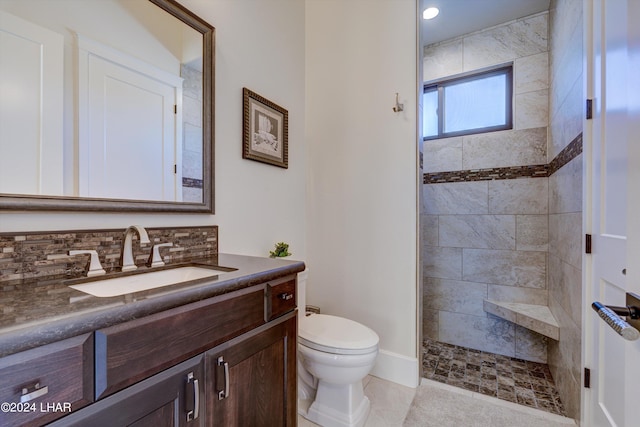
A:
[44,255]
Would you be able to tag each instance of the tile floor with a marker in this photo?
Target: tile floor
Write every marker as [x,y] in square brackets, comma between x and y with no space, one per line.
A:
[394,405]
[390,403]
[507,378]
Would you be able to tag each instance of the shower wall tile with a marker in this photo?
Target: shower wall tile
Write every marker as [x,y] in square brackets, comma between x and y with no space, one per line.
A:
[532,233]
[429,224]
[505,149]
[454,295]
[442,59]
[570,344]
[566,237]
[519,196]
[478,231]
[565,18]
[565,188]
[566,67]
[566,119]
[530,345]
[532,109]
[430,324]
[564,358]
[192,111]
[511,268]
[531,73]
[443,155]
[443,263]
[517,294]
[523,37]
[491,236]
[565,287]
[485,333]
[566,107]
[456,198]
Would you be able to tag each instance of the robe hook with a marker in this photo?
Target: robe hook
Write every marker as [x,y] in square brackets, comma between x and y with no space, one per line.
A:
[398,107]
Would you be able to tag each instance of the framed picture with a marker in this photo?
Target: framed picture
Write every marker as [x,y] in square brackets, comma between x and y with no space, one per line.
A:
[265,130]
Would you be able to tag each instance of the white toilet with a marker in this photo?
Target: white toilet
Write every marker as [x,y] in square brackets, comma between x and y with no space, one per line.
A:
[334,356]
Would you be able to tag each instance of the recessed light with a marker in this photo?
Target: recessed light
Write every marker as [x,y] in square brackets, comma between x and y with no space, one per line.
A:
[430,13]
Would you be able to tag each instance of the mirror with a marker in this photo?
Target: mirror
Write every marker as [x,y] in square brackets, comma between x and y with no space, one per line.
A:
[105,105]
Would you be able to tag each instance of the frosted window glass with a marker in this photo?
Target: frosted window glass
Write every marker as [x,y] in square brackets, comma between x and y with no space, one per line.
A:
[430,113]
[475,104]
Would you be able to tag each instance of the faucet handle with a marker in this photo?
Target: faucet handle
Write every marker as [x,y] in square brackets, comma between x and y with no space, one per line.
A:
[155,259]
[95,268]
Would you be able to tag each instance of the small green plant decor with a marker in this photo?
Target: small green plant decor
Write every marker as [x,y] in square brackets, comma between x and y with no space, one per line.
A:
[281,250]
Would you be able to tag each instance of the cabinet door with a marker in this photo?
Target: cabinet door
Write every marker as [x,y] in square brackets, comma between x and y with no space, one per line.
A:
[251,380]
[171,398]
[45,383]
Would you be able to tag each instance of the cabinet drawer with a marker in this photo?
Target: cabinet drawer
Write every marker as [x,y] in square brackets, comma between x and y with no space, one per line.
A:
[281,297]
[63,372]
[132,351]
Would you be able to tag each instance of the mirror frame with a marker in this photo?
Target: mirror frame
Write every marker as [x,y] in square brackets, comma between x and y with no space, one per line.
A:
[63,203]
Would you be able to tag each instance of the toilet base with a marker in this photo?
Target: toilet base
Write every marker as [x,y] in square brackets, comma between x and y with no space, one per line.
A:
[337,406]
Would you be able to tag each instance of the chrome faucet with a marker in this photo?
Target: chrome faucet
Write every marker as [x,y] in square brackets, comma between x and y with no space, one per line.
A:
[126,257]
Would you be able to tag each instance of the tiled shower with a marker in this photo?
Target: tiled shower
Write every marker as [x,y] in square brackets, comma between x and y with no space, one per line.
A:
[502,214]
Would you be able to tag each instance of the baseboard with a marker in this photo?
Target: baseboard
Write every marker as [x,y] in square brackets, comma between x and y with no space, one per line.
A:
[396,368]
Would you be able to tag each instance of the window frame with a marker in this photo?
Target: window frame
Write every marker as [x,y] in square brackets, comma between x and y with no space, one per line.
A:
[439,85]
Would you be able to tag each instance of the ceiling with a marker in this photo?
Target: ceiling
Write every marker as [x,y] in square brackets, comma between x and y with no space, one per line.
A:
[459,17]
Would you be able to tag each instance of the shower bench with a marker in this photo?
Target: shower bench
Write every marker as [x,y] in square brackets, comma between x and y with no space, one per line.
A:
[536,317]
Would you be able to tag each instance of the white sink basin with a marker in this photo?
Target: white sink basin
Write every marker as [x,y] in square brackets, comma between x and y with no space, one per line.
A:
[145,281]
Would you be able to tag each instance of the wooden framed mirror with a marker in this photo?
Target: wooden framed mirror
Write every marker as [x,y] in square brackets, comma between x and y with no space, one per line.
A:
[117,114]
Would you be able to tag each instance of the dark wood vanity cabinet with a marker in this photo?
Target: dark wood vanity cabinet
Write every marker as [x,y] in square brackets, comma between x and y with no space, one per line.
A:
[251,380]
[131,351]
[45,383]
[224,361]
[172,398]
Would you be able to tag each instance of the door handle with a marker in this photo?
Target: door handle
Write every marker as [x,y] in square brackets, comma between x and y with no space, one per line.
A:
[611,315]
[224,393]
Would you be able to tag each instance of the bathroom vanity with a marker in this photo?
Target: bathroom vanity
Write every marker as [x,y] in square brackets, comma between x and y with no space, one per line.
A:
[213,351]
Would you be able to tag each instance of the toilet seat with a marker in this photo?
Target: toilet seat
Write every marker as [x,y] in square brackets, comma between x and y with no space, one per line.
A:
[337,335]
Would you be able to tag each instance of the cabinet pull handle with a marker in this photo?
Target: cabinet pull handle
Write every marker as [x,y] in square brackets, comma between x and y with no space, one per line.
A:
[37,392]
[193,414]
[224,393]
[285,296]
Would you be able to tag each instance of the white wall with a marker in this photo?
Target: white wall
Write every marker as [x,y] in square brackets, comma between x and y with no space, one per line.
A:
[361,210]
[259,45]
[357,230]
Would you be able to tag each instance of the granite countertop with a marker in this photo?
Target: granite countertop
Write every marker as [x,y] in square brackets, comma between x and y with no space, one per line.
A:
[42,312]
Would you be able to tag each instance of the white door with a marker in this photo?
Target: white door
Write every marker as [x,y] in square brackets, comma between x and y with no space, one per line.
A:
[31,82]
[613,208]
[130,143]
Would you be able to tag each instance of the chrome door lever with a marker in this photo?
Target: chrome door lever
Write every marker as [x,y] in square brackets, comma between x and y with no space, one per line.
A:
[611,315]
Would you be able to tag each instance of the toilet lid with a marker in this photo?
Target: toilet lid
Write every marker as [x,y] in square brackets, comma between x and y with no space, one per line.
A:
[337,335]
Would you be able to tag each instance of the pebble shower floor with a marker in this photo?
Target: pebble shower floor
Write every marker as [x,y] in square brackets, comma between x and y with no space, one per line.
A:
[507,378]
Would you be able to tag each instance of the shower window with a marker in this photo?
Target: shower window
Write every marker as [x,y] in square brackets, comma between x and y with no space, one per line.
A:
[468,104]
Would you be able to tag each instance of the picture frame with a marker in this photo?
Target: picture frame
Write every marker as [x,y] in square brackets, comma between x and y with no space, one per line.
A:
[265,130]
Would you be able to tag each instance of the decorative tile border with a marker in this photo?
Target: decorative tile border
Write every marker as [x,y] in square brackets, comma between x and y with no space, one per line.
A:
[192,182]
[572,150]
[513,172]
[44,254]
